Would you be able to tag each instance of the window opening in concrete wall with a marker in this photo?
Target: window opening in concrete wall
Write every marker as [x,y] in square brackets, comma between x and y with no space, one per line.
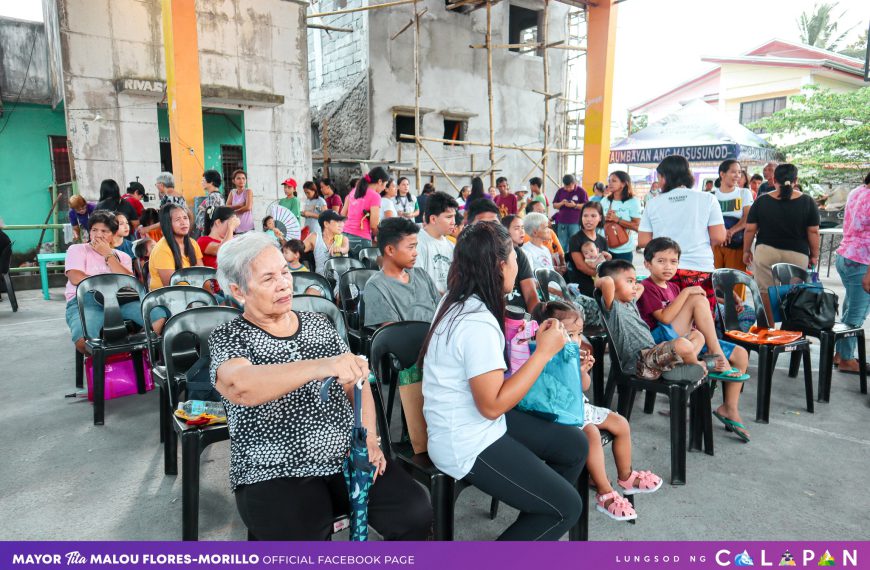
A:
[232,159]
[752,111]
[455,130]
[404,126]
[60,159]
[523,27]
[165,157]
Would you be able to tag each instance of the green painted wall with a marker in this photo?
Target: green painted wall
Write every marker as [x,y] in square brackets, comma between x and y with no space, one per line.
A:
[217,129]
[25,161]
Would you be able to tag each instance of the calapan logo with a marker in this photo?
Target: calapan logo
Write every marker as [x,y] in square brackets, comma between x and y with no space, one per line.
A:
[804,558]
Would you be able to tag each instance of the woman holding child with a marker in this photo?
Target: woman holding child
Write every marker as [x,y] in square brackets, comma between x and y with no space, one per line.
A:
[474,431]
[582,269]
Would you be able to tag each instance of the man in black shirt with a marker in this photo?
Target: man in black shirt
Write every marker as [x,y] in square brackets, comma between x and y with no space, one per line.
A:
[524,294]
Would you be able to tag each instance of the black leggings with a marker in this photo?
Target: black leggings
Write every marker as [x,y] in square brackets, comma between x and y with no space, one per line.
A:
[303,508]
[534,468]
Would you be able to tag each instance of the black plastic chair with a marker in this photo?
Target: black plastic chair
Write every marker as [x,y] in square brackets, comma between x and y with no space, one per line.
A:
[395,347]
[724,281]
[114,338]
[351,285]
[196,276]
[6,284]
[173,300]
[597,336]
[335,266]
[318,304]
[696,394]
[788,274]
[185,339]
[369,256]
[305,280]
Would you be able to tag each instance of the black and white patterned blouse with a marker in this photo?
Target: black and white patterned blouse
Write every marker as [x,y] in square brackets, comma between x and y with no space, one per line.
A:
[297,435]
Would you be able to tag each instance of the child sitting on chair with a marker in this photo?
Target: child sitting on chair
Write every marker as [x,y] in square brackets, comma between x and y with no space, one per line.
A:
[592,256]
[671,313]
[637,350]
[629,481]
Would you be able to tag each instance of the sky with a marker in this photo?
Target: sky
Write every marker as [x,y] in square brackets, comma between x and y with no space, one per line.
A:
[660,43]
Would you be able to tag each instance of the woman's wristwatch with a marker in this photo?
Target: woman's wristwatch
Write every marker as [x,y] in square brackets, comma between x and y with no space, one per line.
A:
[106,258]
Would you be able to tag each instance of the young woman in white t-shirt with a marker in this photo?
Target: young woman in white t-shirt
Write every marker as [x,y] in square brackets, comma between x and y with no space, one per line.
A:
[689,217]
[388,199]
[734,202]
[406,203]
[474,431]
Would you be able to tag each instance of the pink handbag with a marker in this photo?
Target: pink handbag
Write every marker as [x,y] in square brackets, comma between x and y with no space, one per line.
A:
[120,375]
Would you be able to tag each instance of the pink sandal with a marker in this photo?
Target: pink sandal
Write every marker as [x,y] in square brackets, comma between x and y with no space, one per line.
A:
[619,508]
[647,482]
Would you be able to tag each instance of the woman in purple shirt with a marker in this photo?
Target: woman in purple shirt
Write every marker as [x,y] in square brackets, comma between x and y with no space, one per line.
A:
[568,201]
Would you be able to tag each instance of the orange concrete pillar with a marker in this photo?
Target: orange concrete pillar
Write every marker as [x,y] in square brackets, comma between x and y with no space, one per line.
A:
[183,95]
[600,55]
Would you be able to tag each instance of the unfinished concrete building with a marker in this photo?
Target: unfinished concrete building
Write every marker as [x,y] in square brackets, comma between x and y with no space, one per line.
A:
[362,88]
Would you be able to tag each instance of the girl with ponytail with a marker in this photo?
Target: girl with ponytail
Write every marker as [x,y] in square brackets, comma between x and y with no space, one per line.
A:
[363,210]
[785,225]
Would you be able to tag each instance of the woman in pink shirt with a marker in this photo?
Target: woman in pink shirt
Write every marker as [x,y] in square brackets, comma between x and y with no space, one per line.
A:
[362,208]
[853,265]
[96,257]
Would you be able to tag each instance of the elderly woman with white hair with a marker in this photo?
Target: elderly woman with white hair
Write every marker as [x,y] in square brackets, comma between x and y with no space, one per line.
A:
[288,445]
[165,184]
[537,227]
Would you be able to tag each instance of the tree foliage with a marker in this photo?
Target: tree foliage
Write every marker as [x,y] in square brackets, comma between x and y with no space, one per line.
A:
[858,48]
[824,131]
[637,122]
[819,27]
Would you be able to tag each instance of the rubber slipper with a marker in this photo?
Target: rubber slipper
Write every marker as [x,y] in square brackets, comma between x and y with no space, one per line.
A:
[728,375]
[852,372]
[731,425]
[685,373]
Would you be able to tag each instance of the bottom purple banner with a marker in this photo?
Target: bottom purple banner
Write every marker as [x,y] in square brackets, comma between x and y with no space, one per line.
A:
[433,555]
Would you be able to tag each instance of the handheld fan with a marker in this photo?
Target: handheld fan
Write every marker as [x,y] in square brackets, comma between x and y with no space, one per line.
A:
[286,222]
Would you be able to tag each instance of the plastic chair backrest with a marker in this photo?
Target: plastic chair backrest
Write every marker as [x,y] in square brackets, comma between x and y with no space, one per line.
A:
[174,299]
[107,285]
[369,256]
[193,276]
[338,265]
[614,356]
[185,337]
[346,297]
[5,258]
[788,274]
[547,276]
[724,281]
[399,342]
[303,280]
[318,304]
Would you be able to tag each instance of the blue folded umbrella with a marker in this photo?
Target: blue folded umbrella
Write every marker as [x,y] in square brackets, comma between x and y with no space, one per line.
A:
[358,472]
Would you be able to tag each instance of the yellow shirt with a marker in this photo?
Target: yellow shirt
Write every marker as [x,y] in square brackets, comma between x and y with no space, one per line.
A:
[161,258]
